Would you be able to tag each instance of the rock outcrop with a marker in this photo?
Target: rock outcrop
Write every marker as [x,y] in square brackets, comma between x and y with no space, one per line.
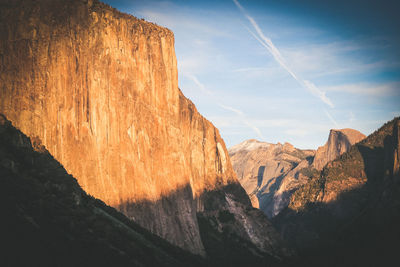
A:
[349,212]
[339,142]
[270,172]
[99,90]
[48,220]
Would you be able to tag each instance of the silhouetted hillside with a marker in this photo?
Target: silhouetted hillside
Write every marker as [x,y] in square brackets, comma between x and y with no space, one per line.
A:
[99,89]
[349,214]
[48,220]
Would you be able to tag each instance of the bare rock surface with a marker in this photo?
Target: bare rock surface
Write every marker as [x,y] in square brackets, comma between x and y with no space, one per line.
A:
[348,214]
[269,172]
[99,90]
[339,142]
[48,220]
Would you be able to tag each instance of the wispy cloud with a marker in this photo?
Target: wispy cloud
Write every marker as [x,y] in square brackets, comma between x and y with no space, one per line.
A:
[199,84]
[238,112]
[268,44]
[376,90]
[254,128]
[320,59]
[291,129]
[315,91]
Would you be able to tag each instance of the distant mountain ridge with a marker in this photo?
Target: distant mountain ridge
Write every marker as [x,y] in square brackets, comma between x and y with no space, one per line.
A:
[270,173]
[348,214]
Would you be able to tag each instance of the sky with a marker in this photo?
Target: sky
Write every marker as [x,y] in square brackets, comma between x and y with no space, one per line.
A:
[284,71]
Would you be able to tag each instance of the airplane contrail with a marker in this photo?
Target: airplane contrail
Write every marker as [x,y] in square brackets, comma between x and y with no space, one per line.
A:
[331,118]
[218,102]
[269,45]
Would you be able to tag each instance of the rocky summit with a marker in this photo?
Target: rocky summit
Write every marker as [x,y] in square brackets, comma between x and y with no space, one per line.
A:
[270,173]
[348,214]
[99,90]
[339,142]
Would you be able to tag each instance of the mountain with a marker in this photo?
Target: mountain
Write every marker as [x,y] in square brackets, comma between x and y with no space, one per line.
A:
[348,214]
[99,90]
[270,173]
[48,220]
[339,142]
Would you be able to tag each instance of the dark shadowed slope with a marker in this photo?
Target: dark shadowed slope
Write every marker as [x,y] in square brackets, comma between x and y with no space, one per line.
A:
[48,220]
[349,214]
[99,89]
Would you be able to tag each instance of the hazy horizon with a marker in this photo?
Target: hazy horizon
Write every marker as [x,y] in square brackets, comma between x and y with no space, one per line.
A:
[284,72]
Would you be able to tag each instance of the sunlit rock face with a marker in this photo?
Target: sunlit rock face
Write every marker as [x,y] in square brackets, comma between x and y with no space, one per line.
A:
[48,220]
[270,172]
[99,89]
[339,142]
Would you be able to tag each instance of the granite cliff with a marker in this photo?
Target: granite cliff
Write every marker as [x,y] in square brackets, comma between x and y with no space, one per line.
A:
[339,142]
[48,220]
[270,172]
[99,90]
[348,214]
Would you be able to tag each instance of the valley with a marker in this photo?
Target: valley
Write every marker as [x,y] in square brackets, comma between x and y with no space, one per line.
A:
[105,162]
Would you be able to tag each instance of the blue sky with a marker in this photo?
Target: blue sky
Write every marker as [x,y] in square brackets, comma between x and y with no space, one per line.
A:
[284,71]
